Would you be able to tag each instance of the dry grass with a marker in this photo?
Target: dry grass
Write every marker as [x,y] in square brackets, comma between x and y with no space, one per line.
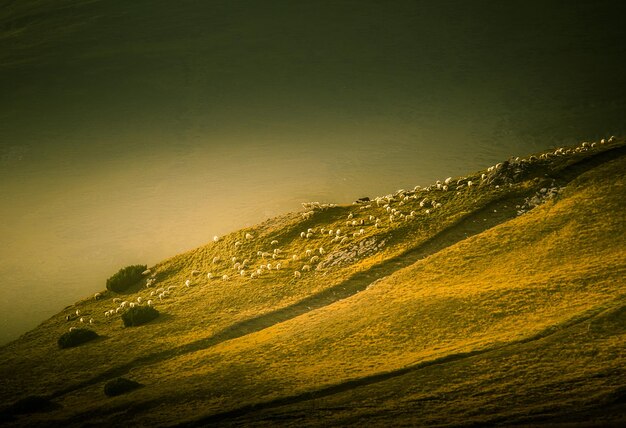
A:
[480,299]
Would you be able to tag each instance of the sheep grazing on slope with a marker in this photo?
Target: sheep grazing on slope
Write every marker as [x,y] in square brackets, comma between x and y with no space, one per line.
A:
[297,274]
[274,242]
[321,251]
[225,278]
[216,238]
[237,244]
[249,236]
[209,275]
[216,260]
[306,268]
[149,303]
[97,296]
[302,234]
[77,312]
[188,283]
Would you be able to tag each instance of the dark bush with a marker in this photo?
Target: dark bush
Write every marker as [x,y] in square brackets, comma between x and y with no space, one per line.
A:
[139,315]
[32,404]
[119,386]
[126,277]
[76,337]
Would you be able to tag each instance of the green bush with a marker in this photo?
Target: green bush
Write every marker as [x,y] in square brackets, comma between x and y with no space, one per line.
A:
[125,278]
[119,386]
[76,337]
[139,315]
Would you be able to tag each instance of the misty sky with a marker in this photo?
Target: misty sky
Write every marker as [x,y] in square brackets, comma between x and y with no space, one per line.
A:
[133,130]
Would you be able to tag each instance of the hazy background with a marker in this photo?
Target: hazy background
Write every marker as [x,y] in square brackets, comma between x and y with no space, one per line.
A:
[134,130]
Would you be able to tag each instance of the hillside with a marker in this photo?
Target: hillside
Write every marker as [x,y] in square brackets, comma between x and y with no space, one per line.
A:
[495,298]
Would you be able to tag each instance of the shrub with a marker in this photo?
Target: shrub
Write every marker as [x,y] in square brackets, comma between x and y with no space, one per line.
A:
[125,277]
[76,337]
[120,386]
[32,404]
[139,315]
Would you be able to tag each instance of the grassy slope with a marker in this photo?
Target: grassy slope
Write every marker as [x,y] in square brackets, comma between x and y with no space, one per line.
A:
[513,281]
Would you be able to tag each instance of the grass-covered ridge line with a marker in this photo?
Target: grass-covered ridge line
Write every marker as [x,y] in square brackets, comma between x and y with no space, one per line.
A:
[470,275]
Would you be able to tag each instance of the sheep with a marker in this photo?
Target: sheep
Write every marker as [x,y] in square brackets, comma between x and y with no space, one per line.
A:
[237,244]
[469,183]
[209,275]
[116,300]
[338,232]
[309,230]
[225,277]
[274,242]
[237,266]
[278,266]
[308,253]
[308,235]
[294,257]
[302,234]
[323,230]
[171,287]
[253,275]
[447,180]
[97,296]
[344,240]
[73,328]
[91,321]
[297,274]
[149,303]
[371,218]
[321,251]
[82,319]
[216,238]
[314,259]
[188,283]
[117,310]
[161,296]
[361,232]
[277,251]
[249,236]
[611,138]
[242,272]
[269,266]
[216,260]
[234,259]
[107,314]
[483,176]
[77,312]
[306,268]
[132,304]
[350,216]
[427,211]
[331,232]
[139,299]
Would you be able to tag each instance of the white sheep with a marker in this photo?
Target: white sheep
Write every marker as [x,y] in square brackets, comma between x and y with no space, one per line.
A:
[225,278]
[107,314]
[297,274]
[82,319]
[209,275]
[97,296]
[91,321]
[294,257]
[149,303]
[469,183]
[116,300]
[350,216]
[139,299]
[278,266]
[187,283]
[447,180]
[344,240]
[331,232]
[237,244]
[321,251]
[73,328]
[361,232]
[338,232]
[77,312]
[249,236]
[132,304]
[308,235]
[216,238]
[302,234]
[242,272]
[274,242]
[306,268]
[216,260]
[253,275]
[314,259]
[308,253]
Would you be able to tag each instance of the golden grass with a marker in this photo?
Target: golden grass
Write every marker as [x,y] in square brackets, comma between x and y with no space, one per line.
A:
[487,293]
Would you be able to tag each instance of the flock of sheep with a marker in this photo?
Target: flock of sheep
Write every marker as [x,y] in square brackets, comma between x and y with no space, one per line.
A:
[382,211]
